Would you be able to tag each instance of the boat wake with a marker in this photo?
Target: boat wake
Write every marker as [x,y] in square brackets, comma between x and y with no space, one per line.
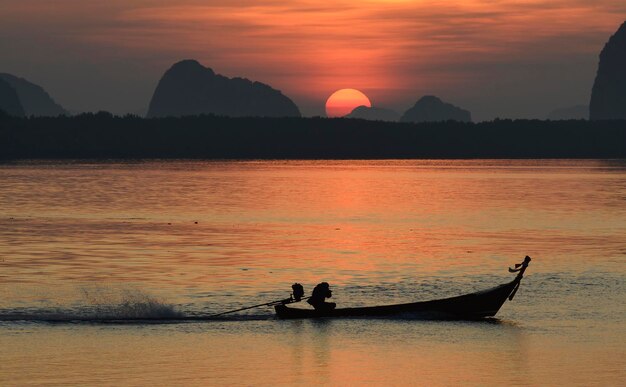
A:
[70,317]
[106,306]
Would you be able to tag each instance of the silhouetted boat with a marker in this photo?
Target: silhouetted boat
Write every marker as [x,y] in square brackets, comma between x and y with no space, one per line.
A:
[467,307]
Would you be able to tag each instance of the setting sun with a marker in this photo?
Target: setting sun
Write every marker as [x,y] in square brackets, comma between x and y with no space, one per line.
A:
[343,101]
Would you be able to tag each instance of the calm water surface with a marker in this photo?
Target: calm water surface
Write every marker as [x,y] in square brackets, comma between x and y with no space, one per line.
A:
[86,242]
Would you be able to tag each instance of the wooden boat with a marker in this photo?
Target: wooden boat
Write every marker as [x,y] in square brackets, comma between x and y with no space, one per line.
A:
[466,307]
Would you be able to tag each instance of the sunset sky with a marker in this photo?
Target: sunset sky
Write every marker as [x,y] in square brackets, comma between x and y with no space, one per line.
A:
[505,58]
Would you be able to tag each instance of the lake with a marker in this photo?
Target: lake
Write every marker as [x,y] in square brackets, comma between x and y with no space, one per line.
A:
[86,248]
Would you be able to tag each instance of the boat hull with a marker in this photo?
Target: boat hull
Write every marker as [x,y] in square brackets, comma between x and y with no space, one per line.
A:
[467,307]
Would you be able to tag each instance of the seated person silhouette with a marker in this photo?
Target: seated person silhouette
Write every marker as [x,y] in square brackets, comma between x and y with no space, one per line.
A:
[320,293]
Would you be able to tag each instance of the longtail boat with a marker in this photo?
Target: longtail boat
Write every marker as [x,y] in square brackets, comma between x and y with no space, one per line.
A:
[471,306]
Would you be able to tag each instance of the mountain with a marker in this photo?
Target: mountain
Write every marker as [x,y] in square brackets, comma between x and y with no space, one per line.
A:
[9,101]
[578,112]
[188,88]
[373,114]
[431,109]
[34,99]
[608,96]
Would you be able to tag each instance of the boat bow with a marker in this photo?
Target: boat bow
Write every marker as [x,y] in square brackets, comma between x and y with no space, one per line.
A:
[520,268]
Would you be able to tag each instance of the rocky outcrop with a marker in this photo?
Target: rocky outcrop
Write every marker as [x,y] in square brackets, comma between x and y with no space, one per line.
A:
[432,109]
[9,101]
[608,96]
[578,112]
[188,88]
[34,99]
[374,114]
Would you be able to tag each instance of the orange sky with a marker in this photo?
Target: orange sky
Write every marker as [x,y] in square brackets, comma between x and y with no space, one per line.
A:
[471,52]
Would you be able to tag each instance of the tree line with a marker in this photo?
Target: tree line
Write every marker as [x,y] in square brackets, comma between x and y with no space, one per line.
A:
[105,136]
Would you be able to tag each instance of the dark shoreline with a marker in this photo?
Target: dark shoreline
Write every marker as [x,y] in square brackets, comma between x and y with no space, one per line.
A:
[105,137]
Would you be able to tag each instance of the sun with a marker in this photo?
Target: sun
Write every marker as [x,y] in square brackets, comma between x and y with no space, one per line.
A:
[343,101]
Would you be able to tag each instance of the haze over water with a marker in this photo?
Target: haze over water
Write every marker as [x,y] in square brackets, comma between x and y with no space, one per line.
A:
[85,242]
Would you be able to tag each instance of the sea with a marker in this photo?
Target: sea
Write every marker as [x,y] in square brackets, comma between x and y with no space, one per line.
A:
[110,271]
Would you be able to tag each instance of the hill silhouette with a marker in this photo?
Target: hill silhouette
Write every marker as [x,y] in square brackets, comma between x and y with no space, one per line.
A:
[188,88]
[34,99]
[104,136]
[608,96]
[373,114]
[9,101]
[432,109]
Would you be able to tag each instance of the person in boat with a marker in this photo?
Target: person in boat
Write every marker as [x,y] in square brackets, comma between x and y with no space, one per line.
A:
[318,298]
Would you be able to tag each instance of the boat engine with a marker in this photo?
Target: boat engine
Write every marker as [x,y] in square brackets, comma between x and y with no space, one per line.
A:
[298,291]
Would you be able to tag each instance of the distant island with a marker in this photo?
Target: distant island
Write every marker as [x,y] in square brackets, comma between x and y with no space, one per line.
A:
[9,101]
[374,114]
[608,96]
[104,136]
[188,88]
[33,99]
[432,109]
